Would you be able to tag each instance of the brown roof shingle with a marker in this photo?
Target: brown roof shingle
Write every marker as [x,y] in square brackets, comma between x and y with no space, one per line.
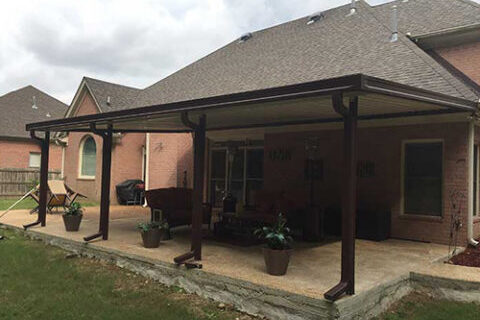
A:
[16,110]
[121,97]
[295,52]
[427,16]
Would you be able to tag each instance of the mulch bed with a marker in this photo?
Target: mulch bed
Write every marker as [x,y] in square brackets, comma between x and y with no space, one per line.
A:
[469,258]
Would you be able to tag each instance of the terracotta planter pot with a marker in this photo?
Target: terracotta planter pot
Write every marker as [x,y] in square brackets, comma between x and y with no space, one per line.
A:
[151,238]
[72,223]
[277,261]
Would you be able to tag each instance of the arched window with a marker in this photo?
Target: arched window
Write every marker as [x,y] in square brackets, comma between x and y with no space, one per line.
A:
[88,157]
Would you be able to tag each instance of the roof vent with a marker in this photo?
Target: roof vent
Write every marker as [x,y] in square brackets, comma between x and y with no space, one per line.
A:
[48,115]
[109,100]
[245,37]
[394,36]
[315,17]
[353,8]
[34,103]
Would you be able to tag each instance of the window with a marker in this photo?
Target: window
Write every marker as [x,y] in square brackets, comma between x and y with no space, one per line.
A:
[423,172]
[88,158]
[240,168]
[34,160]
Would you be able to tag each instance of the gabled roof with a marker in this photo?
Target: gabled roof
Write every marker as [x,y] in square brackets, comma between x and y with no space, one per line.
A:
[420,17]
[16,110]
[120,96]
[294,52]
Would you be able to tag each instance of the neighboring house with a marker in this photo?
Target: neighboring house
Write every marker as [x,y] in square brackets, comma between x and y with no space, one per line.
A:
[160,160]
[17,149]
[422,167]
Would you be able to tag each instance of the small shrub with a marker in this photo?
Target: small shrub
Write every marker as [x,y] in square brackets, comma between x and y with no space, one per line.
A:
[75,209]
[147,226]
[277,236]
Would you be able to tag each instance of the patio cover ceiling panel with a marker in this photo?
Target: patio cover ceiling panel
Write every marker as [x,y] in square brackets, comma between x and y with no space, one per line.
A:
[296,104]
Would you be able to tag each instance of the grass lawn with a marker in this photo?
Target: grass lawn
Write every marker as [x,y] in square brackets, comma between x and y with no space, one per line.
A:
[420,307]
[42,282]
[28,203]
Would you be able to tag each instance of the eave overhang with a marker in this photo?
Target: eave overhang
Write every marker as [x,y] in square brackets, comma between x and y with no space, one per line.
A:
[288,105]
[448,37]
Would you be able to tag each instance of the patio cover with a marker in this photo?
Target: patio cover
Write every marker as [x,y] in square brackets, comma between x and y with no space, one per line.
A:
[289,105]
[344,99]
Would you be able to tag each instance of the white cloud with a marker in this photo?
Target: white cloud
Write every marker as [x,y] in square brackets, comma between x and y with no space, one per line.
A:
[53,43]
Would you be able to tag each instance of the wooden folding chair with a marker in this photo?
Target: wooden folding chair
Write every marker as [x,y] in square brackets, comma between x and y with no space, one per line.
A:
[58,195]
[72,195]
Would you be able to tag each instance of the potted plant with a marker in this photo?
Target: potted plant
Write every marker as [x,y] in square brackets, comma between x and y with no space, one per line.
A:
[73,216]
[278,250]
[152,233]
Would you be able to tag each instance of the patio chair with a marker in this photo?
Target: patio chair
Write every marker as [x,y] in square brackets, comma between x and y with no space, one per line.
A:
[72,195]
[59,196]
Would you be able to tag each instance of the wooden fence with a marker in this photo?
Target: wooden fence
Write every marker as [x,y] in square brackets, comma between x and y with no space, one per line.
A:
[17,182]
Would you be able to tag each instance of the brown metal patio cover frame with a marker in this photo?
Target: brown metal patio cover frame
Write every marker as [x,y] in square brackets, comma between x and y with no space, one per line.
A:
[347,96]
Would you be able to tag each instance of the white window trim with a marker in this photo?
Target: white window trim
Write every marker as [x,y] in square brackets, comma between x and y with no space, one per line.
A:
[402,180]
[30,158]
[80,159]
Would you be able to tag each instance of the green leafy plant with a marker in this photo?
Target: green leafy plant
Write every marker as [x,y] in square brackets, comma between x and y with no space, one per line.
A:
[147,226]
[277,236]
[75,209]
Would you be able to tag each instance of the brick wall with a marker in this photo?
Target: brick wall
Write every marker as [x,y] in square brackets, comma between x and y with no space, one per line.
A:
[465,58]
[383,146]
[90,188]
[16,154]
[126,157]
[171,157]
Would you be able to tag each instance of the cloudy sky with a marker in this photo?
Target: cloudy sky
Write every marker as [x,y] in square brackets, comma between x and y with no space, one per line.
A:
[53,43]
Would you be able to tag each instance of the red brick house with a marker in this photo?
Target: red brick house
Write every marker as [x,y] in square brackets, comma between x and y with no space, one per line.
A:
[356,109]
[17,149]
[420,165]
[159,160]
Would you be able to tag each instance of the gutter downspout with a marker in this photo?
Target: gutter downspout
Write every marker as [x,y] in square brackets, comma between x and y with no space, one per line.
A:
[58,141]
[62,172]
[147,165]
[471,146]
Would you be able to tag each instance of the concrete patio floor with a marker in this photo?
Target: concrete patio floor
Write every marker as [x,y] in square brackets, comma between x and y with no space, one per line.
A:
[313,270]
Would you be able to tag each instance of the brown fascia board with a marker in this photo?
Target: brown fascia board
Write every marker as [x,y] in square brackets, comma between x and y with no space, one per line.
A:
[24,139]
[346,84]
[376,85]
[17,139]
[448,37]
